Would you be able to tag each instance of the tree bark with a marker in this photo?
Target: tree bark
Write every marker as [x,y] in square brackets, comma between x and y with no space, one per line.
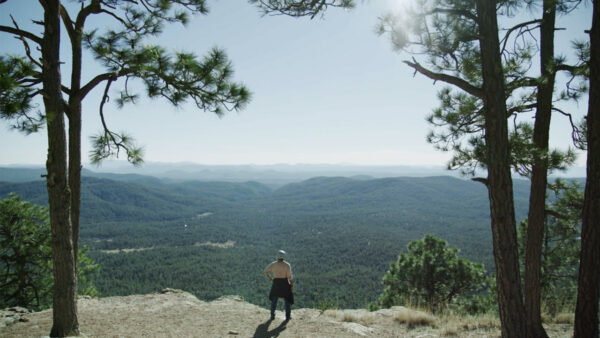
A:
[64,306]
[75,174]
[539,176]
[504,235]
[75,36]
[586,311]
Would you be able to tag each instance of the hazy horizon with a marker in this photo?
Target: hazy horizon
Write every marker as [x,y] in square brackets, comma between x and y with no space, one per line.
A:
[154,168]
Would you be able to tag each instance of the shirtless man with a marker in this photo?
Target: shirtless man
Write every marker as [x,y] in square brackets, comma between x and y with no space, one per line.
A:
[280,274]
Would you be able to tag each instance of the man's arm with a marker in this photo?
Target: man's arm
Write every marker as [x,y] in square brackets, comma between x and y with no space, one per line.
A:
[267,270]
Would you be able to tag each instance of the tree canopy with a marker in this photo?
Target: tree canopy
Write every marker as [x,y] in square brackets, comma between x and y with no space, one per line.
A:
[26,259]
[561,245]
[430,274]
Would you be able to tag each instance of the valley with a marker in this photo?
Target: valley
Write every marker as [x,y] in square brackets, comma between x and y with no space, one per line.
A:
[215,238]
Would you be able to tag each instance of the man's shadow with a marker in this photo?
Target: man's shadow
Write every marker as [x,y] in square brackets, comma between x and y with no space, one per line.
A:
[262,331]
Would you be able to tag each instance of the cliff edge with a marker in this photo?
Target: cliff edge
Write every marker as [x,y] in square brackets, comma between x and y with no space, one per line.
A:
[175,313]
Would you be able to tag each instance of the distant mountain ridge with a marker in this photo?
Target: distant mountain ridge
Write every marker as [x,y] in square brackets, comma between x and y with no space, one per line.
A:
[272,175]
[417,193]
[275,176]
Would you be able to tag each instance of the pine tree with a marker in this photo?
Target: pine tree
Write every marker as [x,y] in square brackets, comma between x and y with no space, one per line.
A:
[431,274]
[588,290]
[125,55]
[561,245]
[26,258]
[25,254]
[460,122]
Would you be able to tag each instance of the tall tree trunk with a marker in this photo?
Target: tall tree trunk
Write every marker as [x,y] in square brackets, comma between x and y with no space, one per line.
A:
[586,312]
[539,175]
[74,111]
[504,234]
[64,306]
[75,174]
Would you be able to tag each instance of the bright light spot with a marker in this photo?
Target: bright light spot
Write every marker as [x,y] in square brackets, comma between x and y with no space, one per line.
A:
[399,6]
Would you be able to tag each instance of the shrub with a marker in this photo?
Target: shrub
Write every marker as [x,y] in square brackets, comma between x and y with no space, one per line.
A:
[430,274]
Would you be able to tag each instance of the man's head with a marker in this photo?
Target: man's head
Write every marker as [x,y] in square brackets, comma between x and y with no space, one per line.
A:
[280,255]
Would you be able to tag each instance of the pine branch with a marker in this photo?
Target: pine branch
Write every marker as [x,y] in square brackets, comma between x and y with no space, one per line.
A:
[104,143]
[480,180]
[104,100]
[299,8]
[67,22]
[453,80]
[522,25]
[115,16]
[96,81]
[521,108]
[578,136]
[21,33]
[568,68]
[520,83]
[556,214]
[93,7]
[451,11]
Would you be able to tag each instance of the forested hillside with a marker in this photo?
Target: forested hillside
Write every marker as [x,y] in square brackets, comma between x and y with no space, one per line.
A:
[215,238]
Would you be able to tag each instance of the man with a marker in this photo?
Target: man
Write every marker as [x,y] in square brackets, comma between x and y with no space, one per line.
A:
[283,284]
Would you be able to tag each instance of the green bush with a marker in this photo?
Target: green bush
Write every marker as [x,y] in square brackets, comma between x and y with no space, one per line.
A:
[26,257]
[323,305]
[431,275]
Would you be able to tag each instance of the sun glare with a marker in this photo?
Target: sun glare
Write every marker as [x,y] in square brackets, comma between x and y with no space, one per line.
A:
[399,6]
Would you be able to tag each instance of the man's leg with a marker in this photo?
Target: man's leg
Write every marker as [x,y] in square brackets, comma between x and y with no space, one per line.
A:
[288,310]
[273,307]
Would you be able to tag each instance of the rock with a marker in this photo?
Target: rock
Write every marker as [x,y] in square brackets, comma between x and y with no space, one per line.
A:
[13,314]
[231,297]
[358,329]
[18,309]
[169,290]
[6,321]
[233,332]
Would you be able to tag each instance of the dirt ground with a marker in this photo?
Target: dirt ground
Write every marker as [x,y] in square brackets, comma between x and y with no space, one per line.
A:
[174,313]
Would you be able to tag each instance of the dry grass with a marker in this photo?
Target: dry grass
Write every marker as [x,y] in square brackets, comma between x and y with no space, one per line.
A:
[566,316]
[563,318]
[360,319]
[415,318]
[450,331]
[412,322]
[352,317]
[480,322]
[455,325]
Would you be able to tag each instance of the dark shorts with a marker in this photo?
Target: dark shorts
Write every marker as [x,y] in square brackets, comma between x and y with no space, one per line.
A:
[281,289]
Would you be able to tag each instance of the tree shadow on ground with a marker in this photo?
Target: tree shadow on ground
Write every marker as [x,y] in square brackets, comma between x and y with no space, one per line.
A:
[262,331]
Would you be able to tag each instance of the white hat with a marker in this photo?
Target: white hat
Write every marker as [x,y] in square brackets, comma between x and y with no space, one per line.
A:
[280,254]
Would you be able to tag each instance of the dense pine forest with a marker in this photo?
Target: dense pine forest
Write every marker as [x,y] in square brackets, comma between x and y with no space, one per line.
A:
[215,238]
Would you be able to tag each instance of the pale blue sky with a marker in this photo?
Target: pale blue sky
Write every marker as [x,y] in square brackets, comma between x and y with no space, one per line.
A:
[328,90]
